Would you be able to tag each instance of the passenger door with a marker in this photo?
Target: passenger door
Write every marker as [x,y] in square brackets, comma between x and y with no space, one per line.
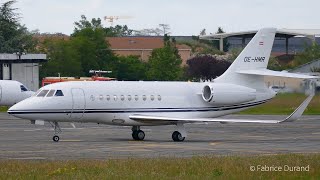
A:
[78,103]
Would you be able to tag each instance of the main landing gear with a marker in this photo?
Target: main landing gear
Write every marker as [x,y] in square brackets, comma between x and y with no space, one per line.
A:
[57,130]
[137,134]
[180,134]
[177,136]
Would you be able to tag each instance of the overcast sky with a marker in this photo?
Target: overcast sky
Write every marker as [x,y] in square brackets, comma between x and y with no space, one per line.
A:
[185,17]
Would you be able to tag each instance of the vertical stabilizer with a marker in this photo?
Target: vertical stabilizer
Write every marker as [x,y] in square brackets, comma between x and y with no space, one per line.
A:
[253,57]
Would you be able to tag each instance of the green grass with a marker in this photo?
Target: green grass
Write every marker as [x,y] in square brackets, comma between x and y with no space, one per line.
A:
[221,167]
[285,104]
[4,108]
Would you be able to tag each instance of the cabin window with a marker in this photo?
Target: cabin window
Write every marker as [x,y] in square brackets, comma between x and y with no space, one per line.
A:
[129,97]
[108,97]
[152,97]
[23,88]
[136,97]
[92,97]
[144,97]
[43,93]
[59,93]
[122,97]
[51,93]
[159,98]
[115,97]
[101,97]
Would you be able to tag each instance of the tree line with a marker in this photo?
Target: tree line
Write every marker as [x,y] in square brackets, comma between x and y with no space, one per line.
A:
[88,49]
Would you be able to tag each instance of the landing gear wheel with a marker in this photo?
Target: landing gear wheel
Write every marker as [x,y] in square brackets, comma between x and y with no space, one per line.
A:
[55,138]
[138,135]
[176,136]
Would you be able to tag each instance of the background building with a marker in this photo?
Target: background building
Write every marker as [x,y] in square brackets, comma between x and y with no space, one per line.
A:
[286,40]
[22,67]
[143,46]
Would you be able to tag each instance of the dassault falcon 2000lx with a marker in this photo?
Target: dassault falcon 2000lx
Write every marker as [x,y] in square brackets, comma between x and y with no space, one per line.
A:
[139,103]
[12,92]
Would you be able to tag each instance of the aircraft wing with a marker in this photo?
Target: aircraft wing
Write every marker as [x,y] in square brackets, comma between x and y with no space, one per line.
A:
[267,72]
[157,119]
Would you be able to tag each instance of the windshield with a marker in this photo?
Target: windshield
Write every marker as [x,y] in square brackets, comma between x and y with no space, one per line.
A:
[23,88]
[43,93]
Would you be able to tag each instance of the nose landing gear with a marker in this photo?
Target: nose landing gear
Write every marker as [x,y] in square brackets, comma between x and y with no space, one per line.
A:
[57,130]
[55,138]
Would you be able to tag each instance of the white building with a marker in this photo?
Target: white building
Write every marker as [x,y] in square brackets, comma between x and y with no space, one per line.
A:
[22,67]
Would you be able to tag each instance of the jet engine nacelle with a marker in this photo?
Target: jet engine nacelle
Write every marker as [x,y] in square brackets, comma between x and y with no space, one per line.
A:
[225,94]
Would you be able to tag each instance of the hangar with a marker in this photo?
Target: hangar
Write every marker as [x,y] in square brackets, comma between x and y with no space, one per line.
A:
[287,42]
[292,39]
[22,67]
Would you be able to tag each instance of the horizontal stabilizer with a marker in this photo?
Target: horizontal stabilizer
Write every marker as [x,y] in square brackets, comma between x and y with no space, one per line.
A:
[267,72]
[161,119]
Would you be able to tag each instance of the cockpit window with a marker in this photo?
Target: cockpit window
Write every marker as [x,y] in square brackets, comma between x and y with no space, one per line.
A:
[35,94]
[43,93]
[59,93]
[51,93]
[23,88]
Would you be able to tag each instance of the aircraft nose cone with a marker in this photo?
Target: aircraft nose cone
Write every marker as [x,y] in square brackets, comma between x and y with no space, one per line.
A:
[13,109]
[17,109]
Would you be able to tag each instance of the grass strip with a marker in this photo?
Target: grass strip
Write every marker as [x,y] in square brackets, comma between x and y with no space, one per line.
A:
[207,167]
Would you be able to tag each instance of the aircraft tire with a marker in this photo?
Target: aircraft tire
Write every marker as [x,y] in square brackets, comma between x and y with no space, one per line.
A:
[138,135]
[55,138]
[176,136]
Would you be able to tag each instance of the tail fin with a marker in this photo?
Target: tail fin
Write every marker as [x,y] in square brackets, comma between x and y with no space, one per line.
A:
[254,56]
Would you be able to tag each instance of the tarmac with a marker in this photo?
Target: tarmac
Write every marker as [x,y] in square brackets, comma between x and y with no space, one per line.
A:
[21,140]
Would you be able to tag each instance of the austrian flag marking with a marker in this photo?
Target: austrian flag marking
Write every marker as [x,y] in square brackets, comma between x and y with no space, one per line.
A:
[261,43]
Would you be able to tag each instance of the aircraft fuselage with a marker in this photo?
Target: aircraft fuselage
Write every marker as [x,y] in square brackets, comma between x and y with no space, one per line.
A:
[113,102]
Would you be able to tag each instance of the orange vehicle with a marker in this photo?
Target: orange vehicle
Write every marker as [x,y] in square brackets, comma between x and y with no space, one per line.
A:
[96,77]
[51,80]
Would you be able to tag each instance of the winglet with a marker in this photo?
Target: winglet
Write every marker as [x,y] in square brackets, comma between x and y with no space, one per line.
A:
[299,111]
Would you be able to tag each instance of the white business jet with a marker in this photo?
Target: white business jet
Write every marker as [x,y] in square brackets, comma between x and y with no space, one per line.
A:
[12,92]
[140,103]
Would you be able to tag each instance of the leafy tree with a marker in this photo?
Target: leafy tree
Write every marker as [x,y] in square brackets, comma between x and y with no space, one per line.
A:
[310,53]
[63,59]
[165,63]
[130,68]
[206,67]
[203,32]
[159,31]
[87,49]
[83,23]
[234,53]
[14,37]
[274,64]
[118,31]
[93,50]
[148,32]
[202,47]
